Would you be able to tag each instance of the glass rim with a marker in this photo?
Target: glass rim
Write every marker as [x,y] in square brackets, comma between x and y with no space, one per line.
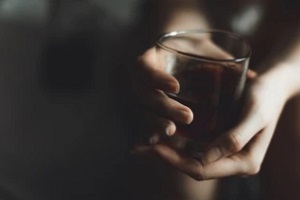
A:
[161,38]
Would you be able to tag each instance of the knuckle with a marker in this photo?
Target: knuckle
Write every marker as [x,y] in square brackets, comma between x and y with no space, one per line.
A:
[158,104]
[151,76]
[253,170]
[162,106]
[155,99]
[253,167]
[235,143]
[198,172]
[146,59]
[198,177]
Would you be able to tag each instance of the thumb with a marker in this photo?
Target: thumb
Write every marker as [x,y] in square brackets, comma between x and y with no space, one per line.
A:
[235,139]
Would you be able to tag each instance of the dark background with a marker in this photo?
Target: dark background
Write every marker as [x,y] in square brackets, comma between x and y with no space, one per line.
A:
[64,112]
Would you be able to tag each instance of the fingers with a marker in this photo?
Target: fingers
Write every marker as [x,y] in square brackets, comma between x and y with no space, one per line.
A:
[240,151]
[151,81]
[171,157]
[190,166]
[251,74]
[235,139]
[246,162]
[151,74]
[154,129]
[159,102]
[158,128]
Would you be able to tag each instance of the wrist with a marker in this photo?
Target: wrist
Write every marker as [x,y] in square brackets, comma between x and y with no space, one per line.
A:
[285,79]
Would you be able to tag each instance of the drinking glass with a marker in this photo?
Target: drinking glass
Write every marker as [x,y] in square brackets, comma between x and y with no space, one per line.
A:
[211,68]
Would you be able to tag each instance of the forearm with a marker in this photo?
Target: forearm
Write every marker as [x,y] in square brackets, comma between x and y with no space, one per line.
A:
[285,72]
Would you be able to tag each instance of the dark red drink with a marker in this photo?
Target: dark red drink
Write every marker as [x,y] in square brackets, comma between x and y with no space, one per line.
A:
[213,92]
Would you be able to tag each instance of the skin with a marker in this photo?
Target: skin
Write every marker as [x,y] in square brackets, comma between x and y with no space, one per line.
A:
[237,152]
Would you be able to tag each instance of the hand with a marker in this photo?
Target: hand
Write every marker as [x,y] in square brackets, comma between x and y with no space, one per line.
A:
[160,112]
[151,83]
[241,150]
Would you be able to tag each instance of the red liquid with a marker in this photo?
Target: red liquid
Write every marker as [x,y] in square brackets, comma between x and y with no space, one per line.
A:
[213,93]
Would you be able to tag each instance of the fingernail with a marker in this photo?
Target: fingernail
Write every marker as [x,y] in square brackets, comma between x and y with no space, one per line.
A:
[170,130]
[212,155]
[190,117]
[177,88]
[183,116]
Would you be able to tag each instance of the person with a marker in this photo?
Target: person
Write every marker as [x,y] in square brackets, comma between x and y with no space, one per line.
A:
[266,138]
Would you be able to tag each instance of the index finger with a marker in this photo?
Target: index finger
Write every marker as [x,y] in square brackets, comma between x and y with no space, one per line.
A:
[150,73]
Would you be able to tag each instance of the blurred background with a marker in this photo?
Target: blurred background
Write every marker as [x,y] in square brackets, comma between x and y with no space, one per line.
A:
[61,108]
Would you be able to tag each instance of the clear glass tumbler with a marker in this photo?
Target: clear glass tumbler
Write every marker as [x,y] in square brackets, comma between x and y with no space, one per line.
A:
[211,67]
